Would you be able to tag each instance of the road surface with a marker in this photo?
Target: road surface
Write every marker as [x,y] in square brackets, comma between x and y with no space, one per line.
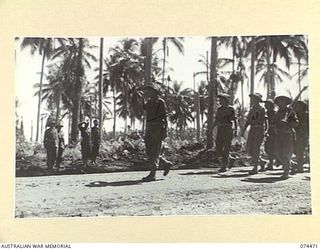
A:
[182,192]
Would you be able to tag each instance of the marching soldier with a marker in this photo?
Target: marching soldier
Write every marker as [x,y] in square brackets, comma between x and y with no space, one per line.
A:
[256,120]
[225,119]
[61,145]
[85,142]
[302,133]
[269,144]
[95,141]
[50,142]
[285,121]
[156,129]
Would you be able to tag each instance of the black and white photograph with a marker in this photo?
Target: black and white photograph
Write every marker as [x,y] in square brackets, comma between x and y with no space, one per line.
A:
[162,126]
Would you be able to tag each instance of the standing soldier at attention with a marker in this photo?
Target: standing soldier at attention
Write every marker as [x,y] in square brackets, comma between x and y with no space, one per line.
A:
[156,128]
[50,142]
[269,144]
[61,145]
[85,142]
[285,121]
[302,134]
[225,119]
[95,141]
[256,120]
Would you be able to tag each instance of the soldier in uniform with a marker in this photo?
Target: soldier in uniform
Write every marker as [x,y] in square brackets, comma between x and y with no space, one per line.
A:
[269,144]
[302,134]
[61,145]
[285,121]
[156,129]
[85,142]
[95,141]
[50,142]
[225,119]
[256,120]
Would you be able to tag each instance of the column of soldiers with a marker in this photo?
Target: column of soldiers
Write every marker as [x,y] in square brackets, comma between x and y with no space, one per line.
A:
[285,131]
[54,143]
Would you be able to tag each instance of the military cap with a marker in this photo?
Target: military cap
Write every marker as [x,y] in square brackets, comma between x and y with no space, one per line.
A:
[256,95]
[286,99]
[224,96]
[152,86]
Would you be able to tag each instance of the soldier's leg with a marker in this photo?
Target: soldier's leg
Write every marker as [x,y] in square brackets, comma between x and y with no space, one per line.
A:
[300,154]
[49,157]
[287,152]
[153,144]
[255,152]
[228,134]
[59,157]
[219,142]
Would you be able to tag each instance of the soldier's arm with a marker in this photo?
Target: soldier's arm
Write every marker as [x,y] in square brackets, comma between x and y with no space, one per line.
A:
[293,121]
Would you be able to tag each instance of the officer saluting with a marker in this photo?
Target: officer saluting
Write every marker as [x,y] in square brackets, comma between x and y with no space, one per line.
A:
[225,119]
[256,120]
[285,121]
[156,128]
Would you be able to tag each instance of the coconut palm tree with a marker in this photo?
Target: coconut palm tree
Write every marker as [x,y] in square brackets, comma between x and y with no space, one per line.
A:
[178,44]
[75,57]
[180,105]
[212,90]
[44,46]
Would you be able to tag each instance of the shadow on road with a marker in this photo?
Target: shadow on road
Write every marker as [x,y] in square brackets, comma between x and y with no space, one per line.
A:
[231,175]
[263,180]
[117,183]
[199,173]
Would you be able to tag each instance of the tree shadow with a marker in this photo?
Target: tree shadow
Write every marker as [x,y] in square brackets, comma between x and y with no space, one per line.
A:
[264,180]
[117,183]
[199,173]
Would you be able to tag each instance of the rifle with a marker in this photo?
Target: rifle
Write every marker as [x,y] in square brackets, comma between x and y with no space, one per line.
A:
[293,102]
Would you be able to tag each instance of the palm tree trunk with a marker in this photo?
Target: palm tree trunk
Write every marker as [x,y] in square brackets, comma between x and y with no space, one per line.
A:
[148,60]
[299,76]
[233,68]
[58,104]
[31,137]
[114,112]
[211,94]
[268,68]
[164,58]
[100,89]
[78,93]
[40,94]
[197,106]
[253,59]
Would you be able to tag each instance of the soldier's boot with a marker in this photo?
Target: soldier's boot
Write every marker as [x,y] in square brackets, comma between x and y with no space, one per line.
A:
[262,164]
[285,173]
[166,165]
[152,175]
[254,170]
[294,168]
[270,164]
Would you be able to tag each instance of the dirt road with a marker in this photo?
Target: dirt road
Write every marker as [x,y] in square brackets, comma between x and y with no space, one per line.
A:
[182,192]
